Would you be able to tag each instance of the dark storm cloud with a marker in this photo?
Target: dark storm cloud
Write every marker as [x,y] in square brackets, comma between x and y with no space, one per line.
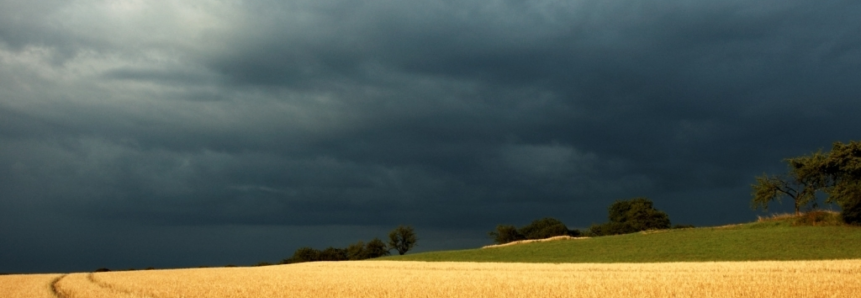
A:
[297,120]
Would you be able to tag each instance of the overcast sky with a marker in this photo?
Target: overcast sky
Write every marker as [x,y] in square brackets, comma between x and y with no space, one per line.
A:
[190,133]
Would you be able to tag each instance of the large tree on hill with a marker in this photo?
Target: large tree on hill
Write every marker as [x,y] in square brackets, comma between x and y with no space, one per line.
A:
[836,173]
[402,239]
[842,168]
[800,184]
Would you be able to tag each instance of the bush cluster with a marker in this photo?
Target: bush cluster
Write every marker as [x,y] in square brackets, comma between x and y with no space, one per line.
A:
[356,251]
[638,214]
[818,218]
[539,229]
[403,238]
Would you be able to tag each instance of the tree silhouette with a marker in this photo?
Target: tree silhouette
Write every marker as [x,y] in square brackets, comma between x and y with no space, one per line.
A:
[402,239]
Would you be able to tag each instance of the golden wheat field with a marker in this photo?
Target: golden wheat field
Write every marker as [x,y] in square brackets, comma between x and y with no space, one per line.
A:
[450,279]
[27,286]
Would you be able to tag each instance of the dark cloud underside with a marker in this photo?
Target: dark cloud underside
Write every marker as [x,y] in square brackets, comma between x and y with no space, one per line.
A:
[221,132]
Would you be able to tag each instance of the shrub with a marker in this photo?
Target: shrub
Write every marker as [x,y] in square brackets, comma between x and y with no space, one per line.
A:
[539,229]
[818,218]
[333,254]
[544,228]
[356,251]
[631,216]
[505,234]
[611,228]
[304,254]
[640,214]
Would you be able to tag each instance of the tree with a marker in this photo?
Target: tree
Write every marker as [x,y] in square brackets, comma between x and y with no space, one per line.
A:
[807,175]
[836,173]
[304,254]
[539,229]
[333,254]
[506,233]
[638,214]
[356,251]
[769,188]
[842,169]
[375,249]
[544,228]
[402,239]
[851,212]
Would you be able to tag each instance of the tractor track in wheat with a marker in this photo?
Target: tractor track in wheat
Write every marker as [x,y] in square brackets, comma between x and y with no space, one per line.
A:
[54,289]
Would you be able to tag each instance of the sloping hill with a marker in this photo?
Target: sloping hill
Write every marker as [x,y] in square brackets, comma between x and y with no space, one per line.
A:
[774,239]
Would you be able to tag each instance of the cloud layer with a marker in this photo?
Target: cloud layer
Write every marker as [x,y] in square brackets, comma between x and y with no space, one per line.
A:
[156,133]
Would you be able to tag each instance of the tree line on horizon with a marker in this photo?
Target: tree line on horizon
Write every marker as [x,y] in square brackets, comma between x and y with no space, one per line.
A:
[625,216]
[402,239]
[835,174]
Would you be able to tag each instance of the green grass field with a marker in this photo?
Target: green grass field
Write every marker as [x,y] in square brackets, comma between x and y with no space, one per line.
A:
[776,239]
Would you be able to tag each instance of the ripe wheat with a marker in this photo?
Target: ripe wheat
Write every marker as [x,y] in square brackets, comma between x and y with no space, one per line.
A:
[840,278]
[27,285]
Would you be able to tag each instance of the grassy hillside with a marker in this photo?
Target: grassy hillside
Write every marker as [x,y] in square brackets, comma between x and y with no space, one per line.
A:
[775,239]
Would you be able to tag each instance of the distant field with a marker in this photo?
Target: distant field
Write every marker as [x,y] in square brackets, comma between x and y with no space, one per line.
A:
[770,240]
[455,279]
